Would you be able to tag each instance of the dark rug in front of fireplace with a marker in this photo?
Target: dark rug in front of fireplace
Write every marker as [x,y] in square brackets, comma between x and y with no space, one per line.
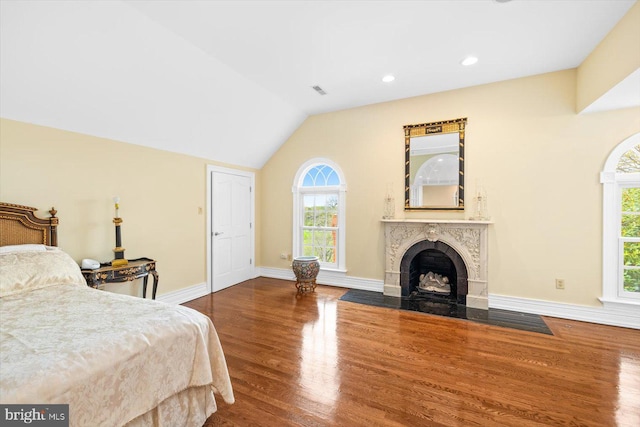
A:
[493,316]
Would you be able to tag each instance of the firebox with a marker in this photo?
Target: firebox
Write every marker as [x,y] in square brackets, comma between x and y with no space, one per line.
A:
[434,270]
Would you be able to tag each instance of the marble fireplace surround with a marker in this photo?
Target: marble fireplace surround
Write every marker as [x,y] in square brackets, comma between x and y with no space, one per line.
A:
[468,238]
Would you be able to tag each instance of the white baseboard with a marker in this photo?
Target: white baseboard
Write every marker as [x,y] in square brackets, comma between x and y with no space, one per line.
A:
[186,294]
[275,273]
[626,317]
[331,278]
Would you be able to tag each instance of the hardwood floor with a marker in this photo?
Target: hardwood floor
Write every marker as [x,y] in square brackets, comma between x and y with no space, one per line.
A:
[313,360]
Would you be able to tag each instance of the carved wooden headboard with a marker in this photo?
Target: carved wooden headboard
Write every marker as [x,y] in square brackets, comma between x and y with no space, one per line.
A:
[19,225]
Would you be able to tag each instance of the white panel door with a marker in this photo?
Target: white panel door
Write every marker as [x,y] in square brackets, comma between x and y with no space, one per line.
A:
[231,229]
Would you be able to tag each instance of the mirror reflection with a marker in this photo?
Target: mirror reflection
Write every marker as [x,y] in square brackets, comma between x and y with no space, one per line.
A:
[435,165]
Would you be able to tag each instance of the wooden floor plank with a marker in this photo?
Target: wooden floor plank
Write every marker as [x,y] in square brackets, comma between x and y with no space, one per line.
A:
[314,360]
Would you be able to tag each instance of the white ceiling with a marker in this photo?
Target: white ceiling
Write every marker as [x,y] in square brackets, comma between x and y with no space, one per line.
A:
[231,80]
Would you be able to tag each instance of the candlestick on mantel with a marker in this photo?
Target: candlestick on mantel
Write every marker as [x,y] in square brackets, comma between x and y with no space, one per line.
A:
[118,250]
[481,212]
[116,200]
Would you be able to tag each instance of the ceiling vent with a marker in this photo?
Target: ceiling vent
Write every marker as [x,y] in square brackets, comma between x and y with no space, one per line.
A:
[319,90]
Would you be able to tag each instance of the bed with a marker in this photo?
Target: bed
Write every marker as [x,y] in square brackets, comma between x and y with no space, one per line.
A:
[115,360]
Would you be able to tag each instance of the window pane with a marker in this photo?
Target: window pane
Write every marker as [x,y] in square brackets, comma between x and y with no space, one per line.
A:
[631,200]
[308,217]
[632,254]
[324,242]
[331,253]
[320,238]
[332,178]
[630,225]
[630,161]
[307,251]
[307,235]
[308,181]
[324,172]
[332,220]
[332,209]
[321,176]
[321,211]
[632,280]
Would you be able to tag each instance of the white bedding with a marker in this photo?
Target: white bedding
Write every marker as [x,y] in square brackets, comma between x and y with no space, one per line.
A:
[114,359]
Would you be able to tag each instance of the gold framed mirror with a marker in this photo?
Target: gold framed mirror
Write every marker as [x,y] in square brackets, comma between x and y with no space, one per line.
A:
[434,165]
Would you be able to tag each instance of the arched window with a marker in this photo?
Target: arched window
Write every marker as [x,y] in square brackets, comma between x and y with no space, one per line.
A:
[621,226]
[319,193]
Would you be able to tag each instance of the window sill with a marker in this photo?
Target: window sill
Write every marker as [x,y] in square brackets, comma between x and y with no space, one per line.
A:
[619,303]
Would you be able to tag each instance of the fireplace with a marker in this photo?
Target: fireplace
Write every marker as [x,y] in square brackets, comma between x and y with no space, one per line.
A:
[437,259]
[433,270]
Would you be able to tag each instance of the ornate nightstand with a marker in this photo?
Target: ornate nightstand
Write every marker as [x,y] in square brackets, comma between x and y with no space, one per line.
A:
[135,269]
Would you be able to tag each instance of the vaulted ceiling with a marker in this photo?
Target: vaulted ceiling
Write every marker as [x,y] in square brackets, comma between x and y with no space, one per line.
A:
[231,80]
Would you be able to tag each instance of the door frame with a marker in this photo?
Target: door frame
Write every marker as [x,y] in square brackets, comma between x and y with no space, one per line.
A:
[209,231]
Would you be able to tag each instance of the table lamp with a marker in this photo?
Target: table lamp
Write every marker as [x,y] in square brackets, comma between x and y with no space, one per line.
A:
[118,250]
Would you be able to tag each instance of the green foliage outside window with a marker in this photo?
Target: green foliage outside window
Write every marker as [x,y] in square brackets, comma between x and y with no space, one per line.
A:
[630,227]
[319,235]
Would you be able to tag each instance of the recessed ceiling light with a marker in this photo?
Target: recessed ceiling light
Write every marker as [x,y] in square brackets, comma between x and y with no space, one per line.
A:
[388,79]
[469,60]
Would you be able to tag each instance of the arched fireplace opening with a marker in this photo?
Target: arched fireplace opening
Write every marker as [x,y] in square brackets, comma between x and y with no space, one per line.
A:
[435,271]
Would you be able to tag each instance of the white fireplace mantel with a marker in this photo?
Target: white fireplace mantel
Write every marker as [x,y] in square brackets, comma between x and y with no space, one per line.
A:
[467,237]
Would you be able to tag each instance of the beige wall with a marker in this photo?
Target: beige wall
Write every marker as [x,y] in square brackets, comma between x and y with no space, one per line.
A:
[536,158]
[615,58]
[163,197]
[538,161]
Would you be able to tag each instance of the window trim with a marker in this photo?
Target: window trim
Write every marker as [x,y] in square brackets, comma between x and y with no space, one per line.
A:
[613,183]
[298,191]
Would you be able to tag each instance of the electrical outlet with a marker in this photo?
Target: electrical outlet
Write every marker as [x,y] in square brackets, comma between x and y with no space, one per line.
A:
[559,283]
[283,256]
